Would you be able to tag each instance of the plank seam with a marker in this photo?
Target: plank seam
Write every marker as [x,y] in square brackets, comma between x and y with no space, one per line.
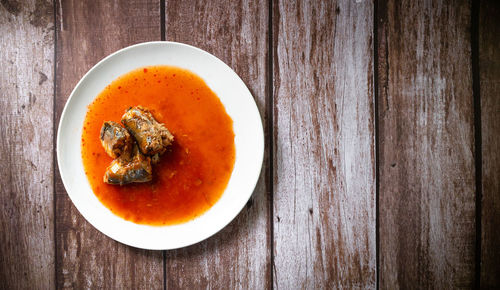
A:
[164,269]
[54,140]
[270,123]
[162,20]
[377,141]
[477,133]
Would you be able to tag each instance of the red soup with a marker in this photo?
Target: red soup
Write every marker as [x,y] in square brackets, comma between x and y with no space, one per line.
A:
[192,176]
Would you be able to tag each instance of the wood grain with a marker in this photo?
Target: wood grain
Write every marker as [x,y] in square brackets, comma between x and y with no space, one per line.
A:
[26,112]
[324,150]
[489,74]
[87,32]
[238,257]
[427,176]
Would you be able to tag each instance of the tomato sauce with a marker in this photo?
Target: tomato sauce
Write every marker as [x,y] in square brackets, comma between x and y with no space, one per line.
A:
[191,177]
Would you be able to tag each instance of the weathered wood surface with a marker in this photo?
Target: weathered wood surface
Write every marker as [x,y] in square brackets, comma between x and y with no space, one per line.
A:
[311,222]
[238,257]
[324,149]
[87,31]
[489,74]
[26,112]
[427,175]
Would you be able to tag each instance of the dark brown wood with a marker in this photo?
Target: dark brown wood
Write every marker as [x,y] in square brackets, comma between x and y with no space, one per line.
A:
[489,69]
[87,31]
[427,176]
[26,170]
[324,149]
[322,228]
[239,255]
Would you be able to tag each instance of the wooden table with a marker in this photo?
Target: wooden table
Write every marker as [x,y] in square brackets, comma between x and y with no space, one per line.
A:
[382,125]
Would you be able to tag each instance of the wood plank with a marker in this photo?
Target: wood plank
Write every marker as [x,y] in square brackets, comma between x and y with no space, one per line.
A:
[87,31]
[238,257]
[489,74]
[26,118]
[427,175]
[324,149]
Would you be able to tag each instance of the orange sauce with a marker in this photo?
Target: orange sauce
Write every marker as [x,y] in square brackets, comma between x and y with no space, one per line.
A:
[193,175]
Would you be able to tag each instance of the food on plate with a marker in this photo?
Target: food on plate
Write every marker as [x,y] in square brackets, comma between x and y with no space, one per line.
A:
[152,137]
[115,139]
[129,168]
[148,134]
[155,104]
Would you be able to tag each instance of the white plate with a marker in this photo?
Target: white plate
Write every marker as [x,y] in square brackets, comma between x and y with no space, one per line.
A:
[247,126]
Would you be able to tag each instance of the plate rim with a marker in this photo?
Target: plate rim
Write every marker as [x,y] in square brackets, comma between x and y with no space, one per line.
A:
[229,219]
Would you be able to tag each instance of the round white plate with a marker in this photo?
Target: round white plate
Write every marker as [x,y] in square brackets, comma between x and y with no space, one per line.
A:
[247,126]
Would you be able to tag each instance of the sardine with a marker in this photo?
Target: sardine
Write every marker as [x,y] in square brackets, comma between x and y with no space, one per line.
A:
[115,139]
[128,169]
[152,137]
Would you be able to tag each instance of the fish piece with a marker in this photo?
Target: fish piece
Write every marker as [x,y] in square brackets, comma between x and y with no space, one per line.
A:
[115,139]
[129,169]
[152,137]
